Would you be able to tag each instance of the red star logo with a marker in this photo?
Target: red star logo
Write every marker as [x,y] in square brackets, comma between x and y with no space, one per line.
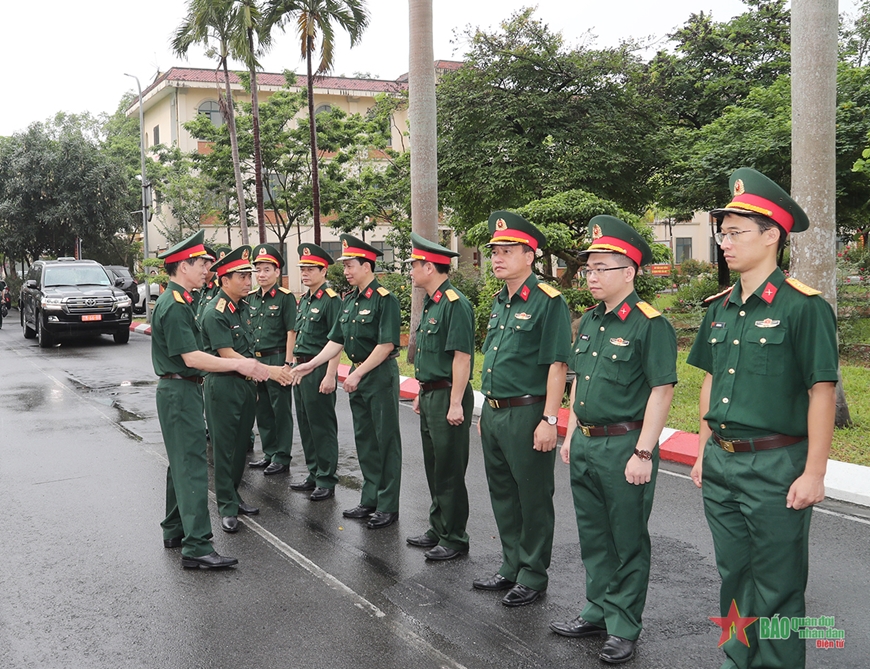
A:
[437,297]
[734,624]
[524,293]
[623,311]
[769,293]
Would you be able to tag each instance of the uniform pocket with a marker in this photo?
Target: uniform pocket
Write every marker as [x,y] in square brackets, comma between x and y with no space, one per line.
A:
[716,340]
[430,336]
[764,351]
[616,365]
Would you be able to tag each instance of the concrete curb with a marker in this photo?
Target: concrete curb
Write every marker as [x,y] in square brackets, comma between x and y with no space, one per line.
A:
[844,481]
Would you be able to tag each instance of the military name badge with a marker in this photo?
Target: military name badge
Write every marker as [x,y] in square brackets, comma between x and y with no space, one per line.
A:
[523,316]
[619,341]
[365,312]
[766,323]
[717,325]
[584,337]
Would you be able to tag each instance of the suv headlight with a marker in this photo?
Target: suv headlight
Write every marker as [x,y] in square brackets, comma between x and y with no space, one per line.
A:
[52,303]
[123,302]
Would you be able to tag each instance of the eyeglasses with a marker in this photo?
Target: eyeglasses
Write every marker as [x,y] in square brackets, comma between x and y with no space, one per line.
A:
[730,236]
[592,272]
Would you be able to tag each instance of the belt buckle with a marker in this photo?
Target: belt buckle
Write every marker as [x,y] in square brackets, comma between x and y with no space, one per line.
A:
[585,430]
[258,354]
[727,445]
[493,404]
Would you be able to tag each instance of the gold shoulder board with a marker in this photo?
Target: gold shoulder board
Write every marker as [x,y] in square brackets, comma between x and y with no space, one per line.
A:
[718,295]
[255,290]
[284,290]
[221,305]
[802,287]
[177,296]
[383,292]
[331,292]
[451,295]
[549,290]
[648,310]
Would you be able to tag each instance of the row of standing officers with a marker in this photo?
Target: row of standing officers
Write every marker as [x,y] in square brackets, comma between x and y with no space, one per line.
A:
[771,339]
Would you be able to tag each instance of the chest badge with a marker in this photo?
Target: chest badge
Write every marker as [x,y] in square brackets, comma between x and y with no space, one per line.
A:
[523,316]
[432,321]
[619,341]
[766,323]
[718,325]
[365,312]
[584,337]
[315,310]
[273,307]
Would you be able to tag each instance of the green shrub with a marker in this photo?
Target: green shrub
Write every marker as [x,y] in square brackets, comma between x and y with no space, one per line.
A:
[400,286]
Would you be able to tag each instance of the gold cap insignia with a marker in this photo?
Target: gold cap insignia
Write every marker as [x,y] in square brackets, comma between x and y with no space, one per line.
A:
[596,232]
[305,251]
[344,243]
[223,253]
[245,254]
[262,251]
[500,224]
[738,187]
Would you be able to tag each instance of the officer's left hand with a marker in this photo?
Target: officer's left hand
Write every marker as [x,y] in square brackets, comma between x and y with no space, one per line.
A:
[546,437]
[328,384]
[805,491]
[637,471]
[351,383]
[455,415]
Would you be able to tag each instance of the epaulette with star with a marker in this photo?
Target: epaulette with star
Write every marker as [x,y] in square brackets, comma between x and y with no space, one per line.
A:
[549,290]
[383,292]
[331,292]
[284,290]
[802,287]
[648,310]
[451,295]
[715,297]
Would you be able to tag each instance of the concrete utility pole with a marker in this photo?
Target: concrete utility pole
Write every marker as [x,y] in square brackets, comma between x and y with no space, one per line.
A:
[814,25]
[424,148]
[144,198]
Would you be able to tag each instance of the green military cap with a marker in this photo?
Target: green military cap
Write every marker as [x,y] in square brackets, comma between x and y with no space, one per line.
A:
[267,253]
[312,254]
[356,249]
[508,228]
[192,247]
[210,253]
[423,249]
[754,193]
[238,260]
[221,251]
[611,235]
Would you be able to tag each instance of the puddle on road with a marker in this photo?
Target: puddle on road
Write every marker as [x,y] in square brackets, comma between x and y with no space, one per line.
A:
[25,399]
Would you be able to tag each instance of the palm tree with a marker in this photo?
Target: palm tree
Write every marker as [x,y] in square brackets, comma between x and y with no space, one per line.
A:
[314,22]
[208,22]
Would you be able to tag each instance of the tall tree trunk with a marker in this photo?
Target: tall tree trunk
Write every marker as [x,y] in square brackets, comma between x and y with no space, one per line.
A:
[424,148]
[234,144]
[258,160]
[814,25]
[312,128]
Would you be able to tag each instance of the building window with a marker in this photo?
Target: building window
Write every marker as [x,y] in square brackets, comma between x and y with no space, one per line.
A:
[389,256]
[683,249]
[320,109]
[213,111]
[156,135]
[332,248]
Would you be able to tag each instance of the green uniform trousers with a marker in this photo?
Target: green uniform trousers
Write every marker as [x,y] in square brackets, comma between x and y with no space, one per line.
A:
[179,408]
[318,428]
[521,488]
[761,546]
[375,408]
[445,457]
[275,415]
[612,516]
[230,408]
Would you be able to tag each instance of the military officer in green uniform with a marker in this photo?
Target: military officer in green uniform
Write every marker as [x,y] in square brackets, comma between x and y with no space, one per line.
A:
[368,330]
[179,361]
[625,360]
[211,287]
[231,398]
[272,310]
[319,310]
[443,363]
[769,347]
[523,380]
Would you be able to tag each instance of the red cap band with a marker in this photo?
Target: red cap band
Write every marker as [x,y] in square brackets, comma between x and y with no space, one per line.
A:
[186,254]
[359,253]
[428,256]
[614,245]
[265,257]
[308,259]
[760,205]
[230,266]
[508,236]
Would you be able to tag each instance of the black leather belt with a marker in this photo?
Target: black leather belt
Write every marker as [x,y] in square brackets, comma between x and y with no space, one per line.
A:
[270,351]
[614,430]
[193,379]
[303,358]
[523,400]
[241,376]
[756,443]
[435,385]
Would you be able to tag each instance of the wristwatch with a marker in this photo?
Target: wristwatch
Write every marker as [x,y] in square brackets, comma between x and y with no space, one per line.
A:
[551,420]
[646,456]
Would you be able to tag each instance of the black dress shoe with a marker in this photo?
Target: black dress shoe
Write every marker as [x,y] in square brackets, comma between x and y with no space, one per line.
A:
[230,524]
[442,553]
[577,628]
[423,541]
[307,484]
[259,464]
[617,650]
[520,595]
[381,519]
[248,509]
[495,582]
[174,542]
[359,511]
[320,494]
[276,468]
[210,561]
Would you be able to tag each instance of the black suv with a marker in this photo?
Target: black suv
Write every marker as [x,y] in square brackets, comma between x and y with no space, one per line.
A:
[69,296]
[124,280]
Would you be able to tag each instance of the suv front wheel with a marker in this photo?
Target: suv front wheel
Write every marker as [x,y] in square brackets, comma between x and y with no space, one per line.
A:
[122,336]
[46,340]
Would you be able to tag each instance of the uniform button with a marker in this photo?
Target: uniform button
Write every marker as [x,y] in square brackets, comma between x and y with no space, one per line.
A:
[724,400]
[353,321]
[489,370]
[713,340]
[351,337]
[736,342]
[722,426]
[507,306]
[587,378]
[613,356]
[582,404]
[601,328]
[594,354]
[489,392]
[742,313]
[577,351]
[518,327]
[495,348]
[501,327]
[763,340]
[731,371]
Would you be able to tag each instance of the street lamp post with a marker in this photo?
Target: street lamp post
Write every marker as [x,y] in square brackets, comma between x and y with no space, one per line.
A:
[144,199]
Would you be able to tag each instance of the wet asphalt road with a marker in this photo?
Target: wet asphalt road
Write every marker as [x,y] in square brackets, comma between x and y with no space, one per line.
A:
[85,581]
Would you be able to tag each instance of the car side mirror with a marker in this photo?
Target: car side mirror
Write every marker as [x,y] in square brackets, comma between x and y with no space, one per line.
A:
[30,283]
[119,282]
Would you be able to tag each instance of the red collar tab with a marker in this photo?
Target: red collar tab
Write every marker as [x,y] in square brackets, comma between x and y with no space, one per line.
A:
[273,292]
[623,312]
[187,297]
[524,293]
[232,308]
[768,293]
[428,256]
[437,296]
[369,292]
[319,294]
[185,254]
[211,284]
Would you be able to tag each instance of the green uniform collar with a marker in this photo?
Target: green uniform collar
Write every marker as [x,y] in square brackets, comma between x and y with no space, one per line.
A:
[522,293]
[369,290]
[439,292]
[766,292]
[622,312]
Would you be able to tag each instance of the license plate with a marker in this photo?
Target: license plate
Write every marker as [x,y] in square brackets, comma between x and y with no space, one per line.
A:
[93,317]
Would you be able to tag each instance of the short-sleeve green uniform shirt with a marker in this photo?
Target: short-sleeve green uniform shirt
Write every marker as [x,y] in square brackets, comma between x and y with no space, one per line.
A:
[446,325]
[227,325]
[272,315]
[174,331]
[526,334]
[368,318]
[619,357]
[764,355]
[317,313]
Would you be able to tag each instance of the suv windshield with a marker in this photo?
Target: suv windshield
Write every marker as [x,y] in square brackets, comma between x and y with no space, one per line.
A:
[76,276]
